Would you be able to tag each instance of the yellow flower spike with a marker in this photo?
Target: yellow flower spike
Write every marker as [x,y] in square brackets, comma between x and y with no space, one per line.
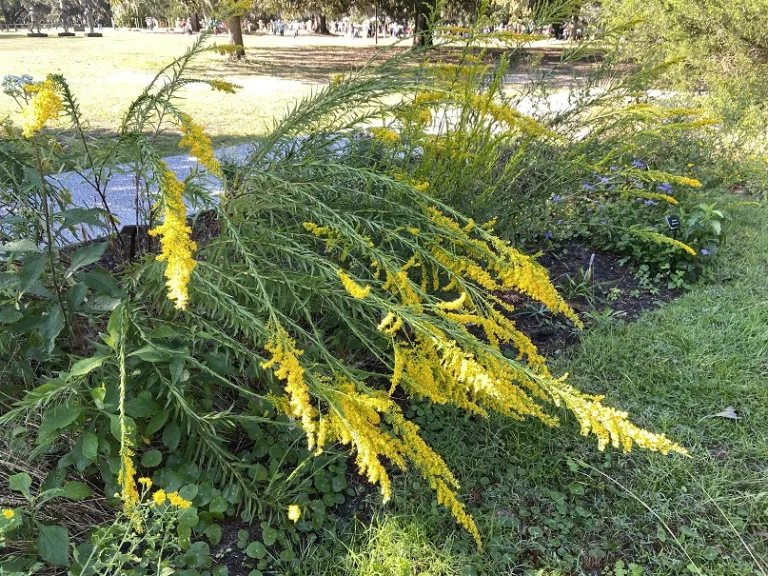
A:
[294,512]
[159,497]
[457,304]
[45,105]
[286,355]
[224,86]
[386,321]
[199,145]
[177,246]
[352,287]
[8,513]
[420,186]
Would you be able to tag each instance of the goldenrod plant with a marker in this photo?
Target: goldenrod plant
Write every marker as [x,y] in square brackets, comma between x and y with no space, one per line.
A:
[327,293]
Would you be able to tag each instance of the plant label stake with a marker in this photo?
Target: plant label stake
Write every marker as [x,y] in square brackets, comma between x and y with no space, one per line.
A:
[674,224]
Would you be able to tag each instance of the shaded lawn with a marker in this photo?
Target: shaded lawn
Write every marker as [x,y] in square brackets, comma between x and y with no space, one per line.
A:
[546,499]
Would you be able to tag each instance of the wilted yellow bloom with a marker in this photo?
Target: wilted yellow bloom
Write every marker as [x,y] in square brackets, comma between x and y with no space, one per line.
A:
[8,513]
[45,105]
[176,244]
[146,482]
[159,497]
[199,145]
[354,289]
[420,186]
[294,512]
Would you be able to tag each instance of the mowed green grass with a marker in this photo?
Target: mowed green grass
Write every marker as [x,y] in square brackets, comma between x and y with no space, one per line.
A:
[107,73]
[548,502]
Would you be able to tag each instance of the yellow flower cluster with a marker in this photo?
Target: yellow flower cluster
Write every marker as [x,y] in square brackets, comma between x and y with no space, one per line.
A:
[178,501]
[294,512]
[659,238]
[635,193]
[354,419]
[45,105]
[496,266]
[505,114]
[126,478]
[223,86]
[353,288]
[199,145]
[386,136]
[420,186]
[286,356]
[177,246]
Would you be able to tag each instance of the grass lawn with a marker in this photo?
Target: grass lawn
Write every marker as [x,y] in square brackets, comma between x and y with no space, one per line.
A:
[107,73]
[546,499]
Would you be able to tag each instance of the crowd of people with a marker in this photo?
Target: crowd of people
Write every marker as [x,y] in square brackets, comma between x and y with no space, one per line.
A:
[387,28]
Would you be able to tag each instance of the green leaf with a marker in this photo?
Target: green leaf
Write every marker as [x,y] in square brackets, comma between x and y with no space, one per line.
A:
[84,256]
[75,491]
[101,303]
[89,445]
[24,245]
[101,282]
[9,315]
[218,504]
[55,419]
[256,550]
[214,534]
[156,422]
[172,436]
[53,545]
[86,365]
[143,406]
[21,482]
[197,554]
[52,325]
[30,272]
[710,553]
[188,518]
[269,535]
[151,458]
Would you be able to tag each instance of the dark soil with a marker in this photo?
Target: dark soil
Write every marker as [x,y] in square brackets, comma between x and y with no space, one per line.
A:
[599,287]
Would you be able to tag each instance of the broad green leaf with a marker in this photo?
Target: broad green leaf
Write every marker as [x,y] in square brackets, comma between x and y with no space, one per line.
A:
[156,422]
[171,436]
[84,256]
[53,545]
[55,419]
[269,535]
[101,303]
[21,482]
[101,282]
[75,296]
[218,504]
[151,458]
[256,550]
[9,315]
[86,365]
[188,518]
[75,491]
[52,325]
[89,445]
[24,245]
[30,272]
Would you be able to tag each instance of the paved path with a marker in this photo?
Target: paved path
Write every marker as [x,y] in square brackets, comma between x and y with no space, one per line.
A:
[121,189]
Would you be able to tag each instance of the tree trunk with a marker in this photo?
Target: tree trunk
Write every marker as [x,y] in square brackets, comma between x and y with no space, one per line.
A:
[423,33]
[194,21]
[322,25]
[236,36]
